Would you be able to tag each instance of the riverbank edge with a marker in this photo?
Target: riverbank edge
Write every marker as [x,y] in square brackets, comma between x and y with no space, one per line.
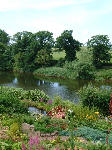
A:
[99,74]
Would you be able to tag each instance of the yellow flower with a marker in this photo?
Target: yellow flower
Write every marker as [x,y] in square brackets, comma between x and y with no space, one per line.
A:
[86,116]
[90,117]
[53,141]
[97,113]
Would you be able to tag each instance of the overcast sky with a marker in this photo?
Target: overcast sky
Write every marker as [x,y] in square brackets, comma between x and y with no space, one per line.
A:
[85,17]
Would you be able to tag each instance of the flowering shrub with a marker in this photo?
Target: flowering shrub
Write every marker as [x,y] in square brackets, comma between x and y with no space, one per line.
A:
[57,112]
[32,144]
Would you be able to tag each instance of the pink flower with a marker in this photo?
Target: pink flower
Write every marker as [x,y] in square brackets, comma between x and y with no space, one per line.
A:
[31,141]
[41,100]
[49,101]
[23,146]
[36,140]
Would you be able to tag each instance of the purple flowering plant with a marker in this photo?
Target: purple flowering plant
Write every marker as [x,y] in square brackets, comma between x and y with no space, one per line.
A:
[50,101]
[33,143]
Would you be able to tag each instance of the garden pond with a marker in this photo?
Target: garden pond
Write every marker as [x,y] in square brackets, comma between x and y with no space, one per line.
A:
[65,88]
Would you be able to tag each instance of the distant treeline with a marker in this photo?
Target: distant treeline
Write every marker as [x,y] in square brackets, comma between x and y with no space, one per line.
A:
[26,51]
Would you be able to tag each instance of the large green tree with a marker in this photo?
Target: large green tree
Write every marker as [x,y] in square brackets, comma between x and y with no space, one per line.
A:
[27,47]
[21,41]
[4,37]
[22,52]
[5,53]
[66,42]
[100,45]
[44,42]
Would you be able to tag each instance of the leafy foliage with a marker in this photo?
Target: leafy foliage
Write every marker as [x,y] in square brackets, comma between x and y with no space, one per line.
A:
[34,95]
[43,58]
[10,104]
[101,46]
[82,70]
[30,48]
[52,71]
[4,37]
[5,53]
[66,42]
[103,74]
[97,97]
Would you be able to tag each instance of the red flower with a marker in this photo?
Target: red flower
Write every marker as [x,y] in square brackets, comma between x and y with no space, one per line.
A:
[50,113]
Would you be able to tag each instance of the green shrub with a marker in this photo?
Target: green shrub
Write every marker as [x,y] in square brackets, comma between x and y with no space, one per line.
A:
[97,97]
[60,62]
[16,92]
[34,95]
[28,119]
[11,99]
[83,70]
[103,74]
[43,58]
[10,104]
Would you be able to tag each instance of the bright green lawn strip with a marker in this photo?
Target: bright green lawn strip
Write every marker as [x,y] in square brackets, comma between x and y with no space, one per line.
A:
[58,55]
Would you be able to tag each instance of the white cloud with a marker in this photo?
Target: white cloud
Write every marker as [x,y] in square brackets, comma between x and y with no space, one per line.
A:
[7,5]
[85,22]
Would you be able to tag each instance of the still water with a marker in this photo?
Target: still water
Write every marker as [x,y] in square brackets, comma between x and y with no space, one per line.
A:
[67,89]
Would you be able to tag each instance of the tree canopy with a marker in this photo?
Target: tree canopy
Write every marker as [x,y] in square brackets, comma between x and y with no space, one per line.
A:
[4,37]
[100,45]
[27,46]
[66,42]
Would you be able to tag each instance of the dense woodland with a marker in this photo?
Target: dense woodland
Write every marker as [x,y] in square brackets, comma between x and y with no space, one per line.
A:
[26,51]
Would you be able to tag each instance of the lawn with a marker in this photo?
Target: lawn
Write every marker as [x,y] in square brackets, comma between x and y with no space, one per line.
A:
[57,55]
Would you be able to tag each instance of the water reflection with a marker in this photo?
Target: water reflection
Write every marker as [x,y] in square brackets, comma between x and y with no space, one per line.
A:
[15,81]
[67,89]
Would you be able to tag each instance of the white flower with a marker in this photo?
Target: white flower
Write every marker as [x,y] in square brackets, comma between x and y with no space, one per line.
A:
[70,111]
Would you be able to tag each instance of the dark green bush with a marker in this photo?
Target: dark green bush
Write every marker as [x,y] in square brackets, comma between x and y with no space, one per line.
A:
[84,70]
[11,104]
[97,97]
[60,62]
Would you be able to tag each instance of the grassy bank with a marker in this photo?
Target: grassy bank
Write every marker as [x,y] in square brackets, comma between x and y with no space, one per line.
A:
[57,72]
[80,69]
